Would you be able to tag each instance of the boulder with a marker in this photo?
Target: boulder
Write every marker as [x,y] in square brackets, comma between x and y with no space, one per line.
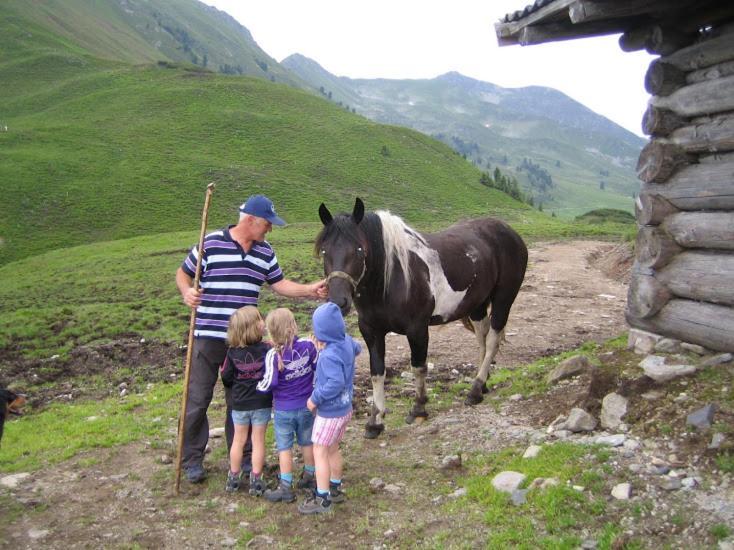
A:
[641,341]
[568,368]
[508,481]
[613,408]
[654,366]
[623,491]
[702,418]
[579,421]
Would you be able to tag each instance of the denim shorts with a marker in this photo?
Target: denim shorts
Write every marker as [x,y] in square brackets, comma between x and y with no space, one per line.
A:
[298,421]
[256,417]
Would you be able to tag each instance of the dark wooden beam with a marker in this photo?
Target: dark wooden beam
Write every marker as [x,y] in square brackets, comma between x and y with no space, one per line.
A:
[583,11]
[505,30]
[553,32]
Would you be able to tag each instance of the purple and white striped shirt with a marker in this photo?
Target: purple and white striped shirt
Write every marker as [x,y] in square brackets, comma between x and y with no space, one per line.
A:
[230,279]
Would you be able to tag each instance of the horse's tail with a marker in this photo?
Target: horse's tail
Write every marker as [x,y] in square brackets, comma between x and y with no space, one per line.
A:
[467,324]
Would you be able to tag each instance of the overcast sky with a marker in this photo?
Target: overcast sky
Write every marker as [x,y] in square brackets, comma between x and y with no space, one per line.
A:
[426,38]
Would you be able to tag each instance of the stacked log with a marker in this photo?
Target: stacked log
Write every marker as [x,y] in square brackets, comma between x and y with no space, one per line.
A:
[682,285]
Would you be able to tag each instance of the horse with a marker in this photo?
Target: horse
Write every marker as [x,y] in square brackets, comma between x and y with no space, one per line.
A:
[403,281]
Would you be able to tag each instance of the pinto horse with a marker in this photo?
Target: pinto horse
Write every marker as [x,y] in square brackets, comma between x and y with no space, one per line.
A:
[403,281]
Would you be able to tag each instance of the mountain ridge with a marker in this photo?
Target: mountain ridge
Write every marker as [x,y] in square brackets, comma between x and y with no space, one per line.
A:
[506,127]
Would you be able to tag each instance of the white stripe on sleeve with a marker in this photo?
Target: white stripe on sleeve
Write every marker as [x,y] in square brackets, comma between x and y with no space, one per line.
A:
[264,384]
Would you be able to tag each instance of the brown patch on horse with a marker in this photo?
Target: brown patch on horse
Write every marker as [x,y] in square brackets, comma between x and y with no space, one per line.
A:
[16,405]
[12,403]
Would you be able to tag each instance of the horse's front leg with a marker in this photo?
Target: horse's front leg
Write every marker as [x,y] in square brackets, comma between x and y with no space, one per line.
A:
[418,341]
[376,346]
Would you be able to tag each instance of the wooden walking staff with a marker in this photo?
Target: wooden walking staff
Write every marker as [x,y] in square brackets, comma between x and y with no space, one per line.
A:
[190,347]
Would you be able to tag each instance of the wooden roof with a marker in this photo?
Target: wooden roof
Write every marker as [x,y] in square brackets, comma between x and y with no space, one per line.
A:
[554,20]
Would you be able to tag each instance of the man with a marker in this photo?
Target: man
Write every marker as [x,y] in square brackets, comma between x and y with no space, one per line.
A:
[236,262]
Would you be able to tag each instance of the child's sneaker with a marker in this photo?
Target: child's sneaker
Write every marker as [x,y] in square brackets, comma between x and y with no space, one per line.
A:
[257,485]
[316,504]
[307,481]
[284,493]
[336,495]
[233,482]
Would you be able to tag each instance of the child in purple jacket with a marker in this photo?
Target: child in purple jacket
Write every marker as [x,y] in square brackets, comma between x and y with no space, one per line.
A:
[289,372]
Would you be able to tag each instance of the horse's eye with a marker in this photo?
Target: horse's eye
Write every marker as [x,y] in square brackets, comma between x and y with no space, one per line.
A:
[359,249]
[323,252]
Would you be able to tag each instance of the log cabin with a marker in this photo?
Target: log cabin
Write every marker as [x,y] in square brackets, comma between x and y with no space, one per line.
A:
[682,283]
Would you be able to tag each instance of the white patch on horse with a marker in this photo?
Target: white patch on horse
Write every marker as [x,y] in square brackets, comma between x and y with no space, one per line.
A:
[446,299]
[378,397]
[400,240]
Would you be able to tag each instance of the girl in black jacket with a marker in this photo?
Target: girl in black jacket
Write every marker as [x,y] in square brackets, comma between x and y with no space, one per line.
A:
[242,369]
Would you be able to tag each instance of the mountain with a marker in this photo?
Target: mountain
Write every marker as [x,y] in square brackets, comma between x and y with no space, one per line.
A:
[98,145]
[567,157]
[144,31]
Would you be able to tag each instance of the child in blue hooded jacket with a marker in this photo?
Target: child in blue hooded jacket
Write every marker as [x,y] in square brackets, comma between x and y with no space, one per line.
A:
[331,400]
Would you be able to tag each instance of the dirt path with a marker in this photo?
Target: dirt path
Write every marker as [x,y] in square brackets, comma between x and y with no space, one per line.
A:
[122,497]
[563,302]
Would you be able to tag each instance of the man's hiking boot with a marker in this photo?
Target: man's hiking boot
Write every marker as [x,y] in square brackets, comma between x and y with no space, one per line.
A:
[195,473]
[307,481]
[284,493]
[315,504]
[336,495]
[233,482]
[257,485]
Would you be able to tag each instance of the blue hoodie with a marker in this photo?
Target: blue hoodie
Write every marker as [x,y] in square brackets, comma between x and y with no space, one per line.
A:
[334,385]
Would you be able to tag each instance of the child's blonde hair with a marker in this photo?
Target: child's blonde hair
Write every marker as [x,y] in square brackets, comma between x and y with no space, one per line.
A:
[281,326]
[282,329]
[244,327]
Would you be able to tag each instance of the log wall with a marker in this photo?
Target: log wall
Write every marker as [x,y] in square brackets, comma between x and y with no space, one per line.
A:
[682,283]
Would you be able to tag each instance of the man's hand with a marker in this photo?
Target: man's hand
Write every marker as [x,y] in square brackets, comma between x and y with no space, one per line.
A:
[192,297]
[311,406]
[321,290]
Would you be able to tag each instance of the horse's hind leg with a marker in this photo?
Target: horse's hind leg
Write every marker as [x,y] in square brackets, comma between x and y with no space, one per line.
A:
[481,330]
[500,311]
[418,351]
[479,386]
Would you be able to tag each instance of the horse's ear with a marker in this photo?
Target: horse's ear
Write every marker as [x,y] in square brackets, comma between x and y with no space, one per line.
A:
[358,212]
[325,215]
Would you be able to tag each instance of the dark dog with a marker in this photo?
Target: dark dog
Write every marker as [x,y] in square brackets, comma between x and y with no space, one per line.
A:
[10,403]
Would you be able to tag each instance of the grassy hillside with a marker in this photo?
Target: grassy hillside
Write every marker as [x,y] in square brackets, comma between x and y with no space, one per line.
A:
[144,31]
[99,150]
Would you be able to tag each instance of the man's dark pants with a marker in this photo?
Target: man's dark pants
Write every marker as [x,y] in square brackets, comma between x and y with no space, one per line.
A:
[207,356]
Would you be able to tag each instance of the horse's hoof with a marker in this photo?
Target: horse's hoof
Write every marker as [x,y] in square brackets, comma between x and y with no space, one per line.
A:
[473,399]
[372,431]
[420,420]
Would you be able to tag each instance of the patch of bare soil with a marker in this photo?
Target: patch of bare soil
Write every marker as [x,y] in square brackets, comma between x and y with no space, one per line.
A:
[93,371]
[123,497]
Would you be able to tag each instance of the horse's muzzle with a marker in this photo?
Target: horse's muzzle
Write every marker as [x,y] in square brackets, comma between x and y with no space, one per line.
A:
[340,294]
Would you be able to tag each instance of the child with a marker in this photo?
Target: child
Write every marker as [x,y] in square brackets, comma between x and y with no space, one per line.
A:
[289,369]
[243,368]
[331,400]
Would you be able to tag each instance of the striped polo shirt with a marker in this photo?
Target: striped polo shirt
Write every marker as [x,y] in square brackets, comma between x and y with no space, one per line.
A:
[230,279]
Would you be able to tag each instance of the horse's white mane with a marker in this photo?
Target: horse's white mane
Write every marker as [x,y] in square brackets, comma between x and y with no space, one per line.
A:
[399,239]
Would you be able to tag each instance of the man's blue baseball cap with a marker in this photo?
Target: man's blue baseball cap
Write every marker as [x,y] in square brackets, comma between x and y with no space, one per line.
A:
[262,207]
